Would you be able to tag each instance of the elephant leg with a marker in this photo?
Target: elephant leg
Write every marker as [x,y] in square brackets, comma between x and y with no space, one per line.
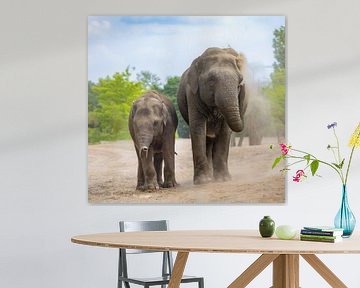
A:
[149,171]
[140,173]
[169,162]
[233,139]
[198,143]
[209,153]
[197,125]
[158,164]
[221,154]
[241,140]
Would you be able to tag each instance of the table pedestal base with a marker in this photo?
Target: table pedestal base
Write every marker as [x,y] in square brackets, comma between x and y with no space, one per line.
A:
[286,271]
[178,270]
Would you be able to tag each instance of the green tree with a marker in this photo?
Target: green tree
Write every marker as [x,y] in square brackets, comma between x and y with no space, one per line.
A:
[170,89]
[93,103]
[92,97]
[279,48]
[276,90]
[108,120]
[150,80]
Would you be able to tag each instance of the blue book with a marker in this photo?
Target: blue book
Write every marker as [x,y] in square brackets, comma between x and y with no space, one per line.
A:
[322,231]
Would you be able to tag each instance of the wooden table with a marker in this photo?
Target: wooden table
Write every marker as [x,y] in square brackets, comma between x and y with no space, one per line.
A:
[284,254]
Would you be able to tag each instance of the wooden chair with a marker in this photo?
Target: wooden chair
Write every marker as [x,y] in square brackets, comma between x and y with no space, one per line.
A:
[167,262]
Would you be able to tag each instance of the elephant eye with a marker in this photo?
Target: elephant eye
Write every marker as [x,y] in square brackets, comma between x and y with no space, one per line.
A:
[156,124]
[212,80]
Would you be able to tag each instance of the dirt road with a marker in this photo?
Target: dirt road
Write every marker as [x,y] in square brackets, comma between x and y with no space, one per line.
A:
[112,169]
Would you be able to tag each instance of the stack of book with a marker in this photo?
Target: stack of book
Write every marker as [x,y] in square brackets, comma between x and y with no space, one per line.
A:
[321,234]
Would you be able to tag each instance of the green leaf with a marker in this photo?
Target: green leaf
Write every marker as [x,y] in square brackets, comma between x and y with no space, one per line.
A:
[314,166]
[336,165]
[342,163]
[307,157]
[276,161]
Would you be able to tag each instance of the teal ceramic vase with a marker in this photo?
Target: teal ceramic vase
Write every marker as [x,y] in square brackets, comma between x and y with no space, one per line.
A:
[345,219]
[266,226]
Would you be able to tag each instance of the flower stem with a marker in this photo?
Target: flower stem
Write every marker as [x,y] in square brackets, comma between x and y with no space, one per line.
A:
[348,167]
[338,150]
[296,162]
[320,161]
[337,144]
[333,152]
[303,152]
[351,155]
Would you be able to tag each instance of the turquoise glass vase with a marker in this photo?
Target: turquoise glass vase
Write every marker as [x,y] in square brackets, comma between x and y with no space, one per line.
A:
[345,219]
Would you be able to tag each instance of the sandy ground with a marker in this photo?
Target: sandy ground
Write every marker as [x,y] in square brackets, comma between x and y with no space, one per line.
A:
[112,169]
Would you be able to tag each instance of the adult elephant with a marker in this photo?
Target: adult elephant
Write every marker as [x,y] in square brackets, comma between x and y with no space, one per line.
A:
[212,100]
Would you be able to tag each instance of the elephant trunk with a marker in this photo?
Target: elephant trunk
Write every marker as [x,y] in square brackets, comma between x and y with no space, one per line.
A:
[229,108]
[144,144]
[232,118]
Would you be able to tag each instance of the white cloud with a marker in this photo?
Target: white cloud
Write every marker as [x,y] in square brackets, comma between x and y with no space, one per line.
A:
[97,27]
[167,49]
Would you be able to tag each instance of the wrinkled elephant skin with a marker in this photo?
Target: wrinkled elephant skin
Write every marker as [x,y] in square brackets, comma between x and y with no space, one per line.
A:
[212,100]
[152,126]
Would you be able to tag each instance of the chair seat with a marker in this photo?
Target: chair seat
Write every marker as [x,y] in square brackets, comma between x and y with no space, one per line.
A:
[167,261]
[158,280]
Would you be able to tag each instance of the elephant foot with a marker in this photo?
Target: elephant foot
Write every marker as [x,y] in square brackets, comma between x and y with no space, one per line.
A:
[140,186]
[152,186]
[201,179]
[169,184]
[222,177]
[149,186]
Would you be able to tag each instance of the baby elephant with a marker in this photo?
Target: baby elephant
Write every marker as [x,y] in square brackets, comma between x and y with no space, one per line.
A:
[152,125]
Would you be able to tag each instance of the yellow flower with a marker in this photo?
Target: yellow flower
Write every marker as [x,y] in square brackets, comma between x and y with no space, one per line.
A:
[355,138]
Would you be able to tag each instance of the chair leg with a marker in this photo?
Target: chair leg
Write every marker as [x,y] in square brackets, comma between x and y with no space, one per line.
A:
[201,283]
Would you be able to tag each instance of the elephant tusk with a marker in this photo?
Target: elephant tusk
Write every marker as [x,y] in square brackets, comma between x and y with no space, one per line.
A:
[144,149]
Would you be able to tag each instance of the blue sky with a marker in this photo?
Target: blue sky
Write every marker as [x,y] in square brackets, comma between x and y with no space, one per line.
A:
[166,45]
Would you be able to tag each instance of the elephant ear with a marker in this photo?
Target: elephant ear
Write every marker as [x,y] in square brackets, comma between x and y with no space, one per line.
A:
[242,100]
[164,114]
[240,62]
[193,76]
[133,110]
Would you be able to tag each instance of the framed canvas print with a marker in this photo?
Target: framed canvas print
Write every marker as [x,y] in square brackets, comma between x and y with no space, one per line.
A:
[183,109]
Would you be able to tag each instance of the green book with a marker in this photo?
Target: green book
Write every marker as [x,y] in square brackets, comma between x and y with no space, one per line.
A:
[319,236]
[328,239]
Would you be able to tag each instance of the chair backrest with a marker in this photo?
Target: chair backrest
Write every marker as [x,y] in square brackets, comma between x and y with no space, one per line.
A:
[134,226]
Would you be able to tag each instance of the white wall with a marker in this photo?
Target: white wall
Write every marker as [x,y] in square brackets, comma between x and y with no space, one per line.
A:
[43,157]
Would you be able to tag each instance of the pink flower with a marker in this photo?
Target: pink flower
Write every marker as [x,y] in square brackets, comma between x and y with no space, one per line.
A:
[284,149]
[300,174]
